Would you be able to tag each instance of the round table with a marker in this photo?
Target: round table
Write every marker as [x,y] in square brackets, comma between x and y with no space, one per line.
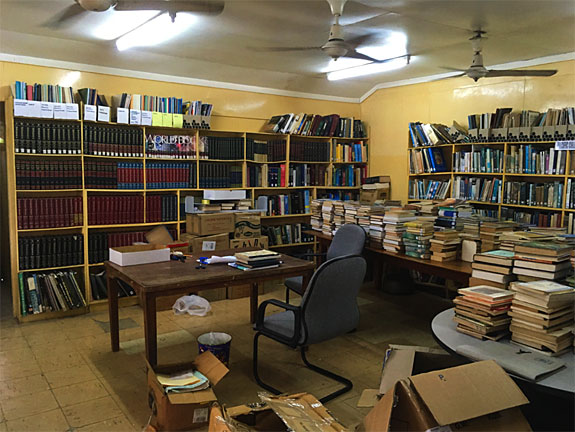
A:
[443,328]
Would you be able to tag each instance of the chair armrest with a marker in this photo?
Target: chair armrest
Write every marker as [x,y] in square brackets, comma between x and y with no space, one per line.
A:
[297,319]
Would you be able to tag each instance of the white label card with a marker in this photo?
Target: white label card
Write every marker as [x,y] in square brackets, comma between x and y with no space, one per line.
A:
[147,118]
[47,109]
[20,108]
[123,115]
[565,145]
[34,109]
[135,117]
[209,246]
[90,112]
[200,415]
[103,113]
[72,112]
[60,111]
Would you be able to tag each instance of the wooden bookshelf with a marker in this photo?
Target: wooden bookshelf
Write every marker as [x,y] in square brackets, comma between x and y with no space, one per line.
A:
[87,230]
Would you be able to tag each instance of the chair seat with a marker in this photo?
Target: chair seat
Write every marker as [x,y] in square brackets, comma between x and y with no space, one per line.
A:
[282,323]
[295,284]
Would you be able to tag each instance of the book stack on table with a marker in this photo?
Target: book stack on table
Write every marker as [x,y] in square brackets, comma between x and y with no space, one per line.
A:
[481,312]
[445,245]
[542,260]
[327,217]
[394,221]
[338,215]
[316,214]
[542,315]
[494,268]
[256,260]
[376,232]
[490,233]
[417,238]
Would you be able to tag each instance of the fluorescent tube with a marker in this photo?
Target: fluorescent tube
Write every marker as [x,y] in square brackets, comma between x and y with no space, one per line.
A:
[368,69]
[119,23]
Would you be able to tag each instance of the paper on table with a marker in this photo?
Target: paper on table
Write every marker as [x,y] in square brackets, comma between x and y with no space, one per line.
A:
[220,260]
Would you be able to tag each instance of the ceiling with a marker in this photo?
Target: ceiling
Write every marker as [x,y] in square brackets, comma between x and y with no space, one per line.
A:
[225,48]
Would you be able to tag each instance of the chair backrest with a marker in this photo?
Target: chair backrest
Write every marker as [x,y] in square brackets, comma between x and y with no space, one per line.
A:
[349,239]
[329,305]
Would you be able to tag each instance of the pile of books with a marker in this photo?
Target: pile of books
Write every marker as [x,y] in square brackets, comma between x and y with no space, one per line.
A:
[256,260]
[338,215]
[542,312]
[509,239]
[316,214]
[542,260]
[376,232]
[243,204]
[452,217]
[471,229]
[364,213]
[394,221]
[490,232]
[492,268]
[327,217]
[350,211]
[416,238]
[481,312]
[445,245]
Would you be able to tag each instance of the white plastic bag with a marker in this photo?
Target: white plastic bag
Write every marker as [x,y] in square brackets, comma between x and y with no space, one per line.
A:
[192,305]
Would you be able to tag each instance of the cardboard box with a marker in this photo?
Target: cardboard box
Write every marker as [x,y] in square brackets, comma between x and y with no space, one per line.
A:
[476,396]
[247,225]
[184,411]
[254,242]
[300,412]
[139,254]
[160,236]
[369,194]
[210,243]
[209,223]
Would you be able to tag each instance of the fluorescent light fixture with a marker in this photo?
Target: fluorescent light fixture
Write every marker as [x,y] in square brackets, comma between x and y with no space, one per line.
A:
[119,23]
[343,63]
[69,79]
[156,31]
[394,45]
[368,69]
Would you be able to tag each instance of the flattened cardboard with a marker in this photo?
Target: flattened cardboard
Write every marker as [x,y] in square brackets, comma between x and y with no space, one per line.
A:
[159,235]
[139,254]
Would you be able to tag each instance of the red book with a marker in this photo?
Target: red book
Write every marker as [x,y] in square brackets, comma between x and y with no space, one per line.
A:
[29,92]
[283,175]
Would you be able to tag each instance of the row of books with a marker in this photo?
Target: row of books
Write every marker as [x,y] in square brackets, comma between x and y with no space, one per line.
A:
[52,291]
[225,148]
[50,251]
[105,140]
[350,152]
[34,213]
[262,176]
[307,175]
[536,218]
[428,134]
[114,175]
[534,194]
[489,120]
[477,189]
[316,125]
[115,209]
[348,175]
[48,174]
[482,160]
[42,92]
[528,159]
[570,194]
[161,208]
[285,204]
[171,146]
[309,151]
[170,175]
[47,138]
[428,189]
[99,287]
[287,234]
[161,104]
[427,160]
[506,118]
[220,175]
[265,151]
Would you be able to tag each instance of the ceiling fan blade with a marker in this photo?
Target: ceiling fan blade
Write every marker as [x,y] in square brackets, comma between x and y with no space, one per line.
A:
[360,40]
[66,17]
[357,55]
[453,69]
[193,6]
[283,49]
[515,72]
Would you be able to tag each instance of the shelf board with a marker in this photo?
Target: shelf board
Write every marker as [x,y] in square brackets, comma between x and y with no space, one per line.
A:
[350,139]
[478,143]
[433,146]
[286,216]
[166,159]
[51,229]
[114,157]
[51,268]
[96,264]
[479,173]
[50,315]
[135,224]
[115,190]
[222,160]
[482,202]
[48,154]
[535,175]
[444,173]
[266,163]
[47,190]
[338,187]
[310,162]
[48,120]
[350,163]
[281,187]
[291,245]
[569,210]
[532,207]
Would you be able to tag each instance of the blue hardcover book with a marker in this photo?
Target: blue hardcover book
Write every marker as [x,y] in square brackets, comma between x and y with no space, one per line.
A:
[438,159]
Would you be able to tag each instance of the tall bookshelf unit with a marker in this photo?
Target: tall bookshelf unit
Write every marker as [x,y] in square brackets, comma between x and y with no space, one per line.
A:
[178,225]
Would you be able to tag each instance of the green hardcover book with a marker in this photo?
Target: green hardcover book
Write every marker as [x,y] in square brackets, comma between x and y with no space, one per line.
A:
[23,301]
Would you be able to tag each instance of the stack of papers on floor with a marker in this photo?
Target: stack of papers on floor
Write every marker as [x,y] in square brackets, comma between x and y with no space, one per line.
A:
[481,311]
[494,267]
[445,245]
[490,233]
[542,260]
[542,313]
[416,238]
[394,221]
[183,382]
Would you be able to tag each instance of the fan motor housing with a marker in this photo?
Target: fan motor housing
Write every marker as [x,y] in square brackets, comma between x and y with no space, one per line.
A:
[335,49]
[96,5]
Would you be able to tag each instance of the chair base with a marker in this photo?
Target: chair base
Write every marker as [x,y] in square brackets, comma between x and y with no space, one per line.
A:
[347,384]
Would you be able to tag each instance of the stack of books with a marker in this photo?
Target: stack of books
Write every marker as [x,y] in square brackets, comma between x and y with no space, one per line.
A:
[490,233]
[542,313]
[494,268]
[338,215]
[481,312]
[243,204]
[509,239]
[416,238]
[394,221]
[376,232]
[542,260]
[327,217]
[350,210]
[364,213]
[471,230]
[316,214]
[452,217]
[256,260]
[445,245]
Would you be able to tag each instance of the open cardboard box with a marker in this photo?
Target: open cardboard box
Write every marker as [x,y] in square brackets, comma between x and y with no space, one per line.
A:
[139,254]
[473,397]
[184,411]
[299,412]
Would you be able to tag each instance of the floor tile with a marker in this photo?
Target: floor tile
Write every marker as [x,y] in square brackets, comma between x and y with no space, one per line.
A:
[93,411]
[22,386]
[34,403]
[58,360]
[81,392]
[17,356]
[67,376]
[13,344]
[50,421]
[20,369]
[117,424]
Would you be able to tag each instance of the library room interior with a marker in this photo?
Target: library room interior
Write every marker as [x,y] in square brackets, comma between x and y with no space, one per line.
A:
[264,215]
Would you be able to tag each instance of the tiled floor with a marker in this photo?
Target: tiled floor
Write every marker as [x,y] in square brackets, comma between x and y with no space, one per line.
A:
[61,375]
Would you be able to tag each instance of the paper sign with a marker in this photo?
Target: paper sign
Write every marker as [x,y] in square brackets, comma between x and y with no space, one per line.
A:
[20,108]
[72,111]
[146,118]
[103,113]
[157,119]
[60,111]
[34,109]
[167,119]
[208,246]
[135,117]
[178,120]
[123,115]
[565,145]
[46,109]
[90,112]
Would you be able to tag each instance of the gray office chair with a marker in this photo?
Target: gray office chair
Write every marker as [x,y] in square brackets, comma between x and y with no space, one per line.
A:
[328,309]
[349,239]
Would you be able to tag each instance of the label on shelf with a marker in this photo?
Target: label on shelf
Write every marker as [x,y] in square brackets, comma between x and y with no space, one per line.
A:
[46,110]
[122,115]
[90,112]
[178,120]
[20,108]
[167,119]
[135,117]
[60,111]
[147,118]
[103,113]
[565,145]
[157,119]
[72,112]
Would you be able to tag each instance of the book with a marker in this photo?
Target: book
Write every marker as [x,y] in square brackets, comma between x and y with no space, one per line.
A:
[547,249]
[541,274]
[495,277]
[491,268]
[497,257]
[33,213]
[487,294]
[257,255]
[239,266]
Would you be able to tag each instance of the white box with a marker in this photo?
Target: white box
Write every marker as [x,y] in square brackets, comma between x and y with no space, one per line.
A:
[216,195]
[139,254]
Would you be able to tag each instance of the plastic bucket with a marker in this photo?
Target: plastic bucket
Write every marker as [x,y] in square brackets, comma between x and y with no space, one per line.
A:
[217,343]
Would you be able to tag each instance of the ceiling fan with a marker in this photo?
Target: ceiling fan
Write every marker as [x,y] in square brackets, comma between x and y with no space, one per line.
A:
[477,70]
[82,7]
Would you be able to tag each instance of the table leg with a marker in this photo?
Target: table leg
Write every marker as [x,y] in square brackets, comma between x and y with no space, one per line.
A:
[150,330]
[253,302]
[112,285]
[305,281]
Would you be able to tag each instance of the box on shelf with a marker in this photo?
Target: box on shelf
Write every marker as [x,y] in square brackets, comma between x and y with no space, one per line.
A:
[209,243]
[218,195]
[370,193]
[254,242]
[139,254]
[184,411]
[209,223]
[247,225]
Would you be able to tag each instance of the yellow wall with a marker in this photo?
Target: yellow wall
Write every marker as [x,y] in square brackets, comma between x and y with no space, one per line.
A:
[388,111]
[233,110]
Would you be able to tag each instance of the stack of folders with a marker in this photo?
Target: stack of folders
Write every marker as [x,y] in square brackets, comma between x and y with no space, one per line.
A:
[490,233]
[481,312]
[542,312]
[493,268]
[445,245]
[256,260]
[416,238]
[183,382]
[542,260]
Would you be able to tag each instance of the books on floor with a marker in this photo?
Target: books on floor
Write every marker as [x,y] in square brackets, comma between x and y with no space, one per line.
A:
[493,266]
[542,260]
[481,311]
[445,245]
